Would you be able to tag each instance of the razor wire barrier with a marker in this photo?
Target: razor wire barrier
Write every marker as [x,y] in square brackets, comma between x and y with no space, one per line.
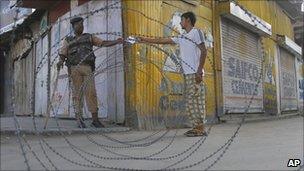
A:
[126,144]
[17,126]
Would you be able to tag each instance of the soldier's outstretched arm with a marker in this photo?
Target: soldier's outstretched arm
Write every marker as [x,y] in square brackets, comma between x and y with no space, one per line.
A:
[105,43]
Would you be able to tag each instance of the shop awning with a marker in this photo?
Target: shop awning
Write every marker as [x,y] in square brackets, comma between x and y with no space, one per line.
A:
[289,45]
[246,18]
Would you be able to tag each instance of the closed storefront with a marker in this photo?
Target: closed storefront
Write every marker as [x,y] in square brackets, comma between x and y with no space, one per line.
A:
[241,61]
[300,80]
[22,55]
[287,76]
[41,82]
[23,84]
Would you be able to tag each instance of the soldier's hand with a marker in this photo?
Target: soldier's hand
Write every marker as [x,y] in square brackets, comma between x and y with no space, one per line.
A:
[59,65]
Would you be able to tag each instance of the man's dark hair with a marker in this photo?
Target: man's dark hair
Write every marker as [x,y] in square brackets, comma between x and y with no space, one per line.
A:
[191,16]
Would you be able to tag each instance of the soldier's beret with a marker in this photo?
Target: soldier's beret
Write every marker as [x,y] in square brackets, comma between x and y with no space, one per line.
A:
[76,19]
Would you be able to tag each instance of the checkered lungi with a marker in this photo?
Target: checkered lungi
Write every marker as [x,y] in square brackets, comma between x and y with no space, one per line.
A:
[195,100]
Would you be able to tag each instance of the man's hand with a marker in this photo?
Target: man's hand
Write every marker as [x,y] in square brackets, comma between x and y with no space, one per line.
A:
[120,40]
[155,40]
[200,70]
[198,77]
[59,65]
[140,39]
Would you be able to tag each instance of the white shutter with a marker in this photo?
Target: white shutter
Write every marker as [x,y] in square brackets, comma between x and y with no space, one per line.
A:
[42,76]
[241,68]
[287,81]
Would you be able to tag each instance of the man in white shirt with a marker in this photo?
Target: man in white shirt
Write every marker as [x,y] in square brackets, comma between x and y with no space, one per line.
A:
[193,54]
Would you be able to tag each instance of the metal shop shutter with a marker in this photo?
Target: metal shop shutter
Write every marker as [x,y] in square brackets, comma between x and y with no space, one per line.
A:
[288,89]
[241,63]
[41,82]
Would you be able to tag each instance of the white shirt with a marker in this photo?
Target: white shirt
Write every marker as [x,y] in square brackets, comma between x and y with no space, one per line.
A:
[189,51]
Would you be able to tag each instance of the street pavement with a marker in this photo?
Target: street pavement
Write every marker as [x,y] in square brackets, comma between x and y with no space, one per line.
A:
[262,145]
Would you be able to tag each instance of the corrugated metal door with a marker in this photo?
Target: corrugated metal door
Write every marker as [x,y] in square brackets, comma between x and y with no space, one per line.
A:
[241,68]
[41,79]
[288,81]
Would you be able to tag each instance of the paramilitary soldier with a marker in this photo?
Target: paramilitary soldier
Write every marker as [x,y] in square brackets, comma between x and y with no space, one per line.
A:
[78,49]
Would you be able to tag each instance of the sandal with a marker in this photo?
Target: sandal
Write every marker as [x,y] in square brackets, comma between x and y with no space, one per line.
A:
[195,133]
[189,132]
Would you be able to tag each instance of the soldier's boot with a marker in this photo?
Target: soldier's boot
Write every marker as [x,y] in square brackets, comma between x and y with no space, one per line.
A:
[96,123]
[80,121]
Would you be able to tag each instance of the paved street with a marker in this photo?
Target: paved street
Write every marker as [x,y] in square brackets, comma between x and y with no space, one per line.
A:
[263,145]
[54,126]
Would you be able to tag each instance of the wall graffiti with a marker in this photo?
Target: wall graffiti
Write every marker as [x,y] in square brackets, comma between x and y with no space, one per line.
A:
[173,92]
[288,83]
[242,69]
[247,72]
[172,104]
[172,62]
[269,69]
[270,91]
[172,100]
[270,98]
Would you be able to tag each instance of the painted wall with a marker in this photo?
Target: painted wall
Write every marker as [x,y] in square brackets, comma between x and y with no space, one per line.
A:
[154,85]
[269,77]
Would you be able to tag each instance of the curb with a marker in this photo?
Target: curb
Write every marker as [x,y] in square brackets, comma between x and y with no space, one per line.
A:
[251,118]
[66,131]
